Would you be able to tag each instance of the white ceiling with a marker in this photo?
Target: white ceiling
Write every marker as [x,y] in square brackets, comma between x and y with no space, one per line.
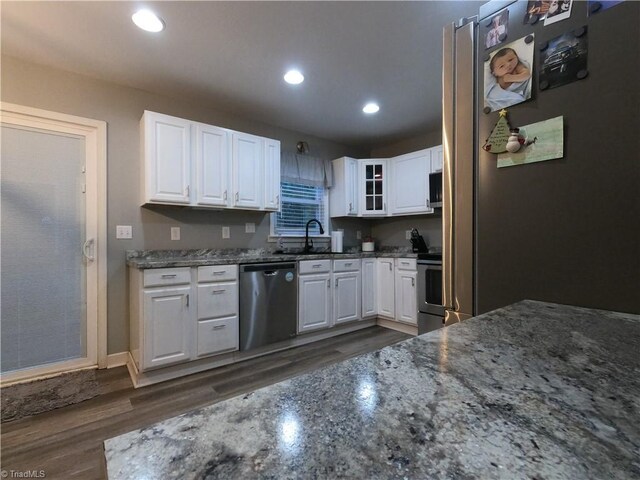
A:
[235,53]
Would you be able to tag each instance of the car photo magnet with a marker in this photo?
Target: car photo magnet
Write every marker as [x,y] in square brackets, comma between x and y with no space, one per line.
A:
[564,59]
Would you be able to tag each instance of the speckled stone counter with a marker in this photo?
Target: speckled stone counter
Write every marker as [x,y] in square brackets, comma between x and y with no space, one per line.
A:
[195,258]
[533,390]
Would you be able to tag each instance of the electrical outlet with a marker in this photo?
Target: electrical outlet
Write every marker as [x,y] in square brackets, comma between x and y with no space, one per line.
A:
[249,228]
[123,231]
[175,233]
[358,235]
[225,232]
[407,234]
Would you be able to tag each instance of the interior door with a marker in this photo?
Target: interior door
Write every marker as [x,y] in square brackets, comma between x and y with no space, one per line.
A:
[50,244]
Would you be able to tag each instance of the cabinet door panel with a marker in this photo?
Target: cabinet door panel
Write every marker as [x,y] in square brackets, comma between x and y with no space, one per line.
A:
[248,159]
[167,338]
[369,307]
[271,175]
[217,336]
[346,297]
[386,289]
[217,300]
[373,183]
[212,165]
[314,306]
[406,301]
[410,183]
[167,153]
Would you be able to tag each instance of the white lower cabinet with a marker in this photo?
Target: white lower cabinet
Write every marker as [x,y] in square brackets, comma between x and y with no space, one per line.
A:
[385,287]
[369,297]
[181,314]
[217,335]
[347,295]
[167,326]
[218,310]
[405,291]
[314,302]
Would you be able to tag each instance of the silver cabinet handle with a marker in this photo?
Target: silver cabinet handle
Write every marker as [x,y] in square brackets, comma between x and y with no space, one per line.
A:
[348,264]
[384,206]
[336,283]
[85,250]
[187,300]
[390,268]
[277,200]
[219,272]
[219,327]
[166,275]
[215,292]
[224,196]
[328,283]
[186,192]
[316,266]
[404,263]
[413,282]
[350,206]
[237,196]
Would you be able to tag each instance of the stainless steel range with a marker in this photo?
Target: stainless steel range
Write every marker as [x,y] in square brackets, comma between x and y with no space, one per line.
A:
[430,309]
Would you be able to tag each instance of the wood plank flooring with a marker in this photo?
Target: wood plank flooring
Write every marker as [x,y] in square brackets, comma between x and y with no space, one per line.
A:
[67,443]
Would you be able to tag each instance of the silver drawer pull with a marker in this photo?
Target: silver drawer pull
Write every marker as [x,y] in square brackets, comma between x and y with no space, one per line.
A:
[348,264]
[404,263]
[214,292]
[317,266]
[220,272]
[219,327]
[166,275]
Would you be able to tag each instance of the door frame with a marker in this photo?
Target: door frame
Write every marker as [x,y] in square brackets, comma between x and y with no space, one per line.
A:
[94,133]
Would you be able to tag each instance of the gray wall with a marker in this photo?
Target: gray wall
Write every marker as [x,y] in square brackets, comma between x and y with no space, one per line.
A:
[408,145]
[121,107]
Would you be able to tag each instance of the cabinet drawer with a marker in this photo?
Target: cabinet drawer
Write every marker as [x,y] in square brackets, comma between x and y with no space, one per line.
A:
[314,266]
[217,336]
[406,263]
[158,277]
[217,273]
[217,300]
[350,265]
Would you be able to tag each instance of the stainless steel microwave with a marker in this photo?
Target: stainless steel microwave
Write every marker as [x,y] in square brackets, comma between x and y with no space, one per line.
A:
[435,190]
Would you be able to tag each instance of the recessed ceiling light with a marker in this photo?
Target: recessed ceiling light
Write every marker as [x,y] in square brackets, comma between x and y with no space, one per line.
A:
[370,108]
[294,77]
[147,20]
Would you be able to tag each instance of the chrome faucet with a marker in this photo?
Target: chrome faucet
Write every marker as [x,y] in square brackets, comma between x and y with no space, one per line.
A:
[307,247]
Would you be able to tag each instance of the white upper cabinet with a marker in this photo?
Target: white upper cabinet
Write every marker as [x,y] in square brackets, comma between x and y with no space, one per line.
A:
[373,184]
[343,196]
[436,159]
[271,175]
[166,143]
[190,163]
[248,159]
[409,191]
[212,165]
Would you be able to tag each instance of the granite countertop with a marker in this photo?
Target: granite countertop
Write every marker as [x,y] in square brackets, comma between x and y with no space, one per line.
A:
[533,390]
[144,259]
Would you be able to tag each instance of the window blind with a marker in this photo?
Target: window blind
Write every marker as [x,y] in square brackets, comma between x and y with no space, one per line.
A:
[300,203]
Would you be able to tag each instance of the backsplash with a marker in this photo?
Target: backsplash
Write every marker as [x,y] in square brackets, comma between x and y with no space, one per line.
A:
[392,231]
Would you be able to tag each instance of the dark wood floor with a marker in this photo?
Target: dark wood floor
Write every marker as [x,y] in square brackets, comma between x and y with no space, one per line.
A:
[67,443]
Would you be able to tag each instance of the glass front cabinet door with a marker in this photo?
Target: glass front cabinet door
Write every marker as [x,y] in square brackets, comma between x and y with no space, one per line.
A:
[374,184]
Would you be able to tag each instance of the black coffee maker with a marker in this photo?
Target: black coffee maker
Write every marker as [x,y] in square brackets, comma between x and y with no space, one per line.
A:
[417,242]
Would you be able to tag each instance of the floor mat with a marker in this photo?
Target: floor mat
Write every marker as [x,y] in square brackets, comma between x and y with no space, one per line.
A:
[26,399]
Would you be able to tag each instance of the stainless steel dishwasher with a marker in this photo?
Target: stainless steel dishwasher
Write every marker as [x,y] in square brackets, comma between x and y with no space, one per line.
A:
[268,303]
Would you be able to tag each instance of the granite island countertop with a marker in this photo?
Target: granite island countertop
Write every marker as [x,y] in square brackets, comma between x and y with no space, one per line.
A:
[533,390]
[144,259]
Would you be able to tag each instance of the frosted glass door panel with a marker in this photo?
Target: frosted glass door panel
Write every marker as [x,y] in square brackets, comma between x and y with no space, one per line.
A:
[42,267]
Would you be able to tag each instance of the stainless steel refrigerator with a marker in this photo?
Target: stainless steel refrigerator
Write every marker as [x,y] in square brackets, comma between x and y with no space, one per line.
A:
[565,230]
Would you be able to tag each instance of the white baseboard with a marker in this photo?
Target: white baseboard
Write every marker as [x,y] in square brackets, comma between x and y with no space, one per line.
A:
[117,359]
[400,327]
